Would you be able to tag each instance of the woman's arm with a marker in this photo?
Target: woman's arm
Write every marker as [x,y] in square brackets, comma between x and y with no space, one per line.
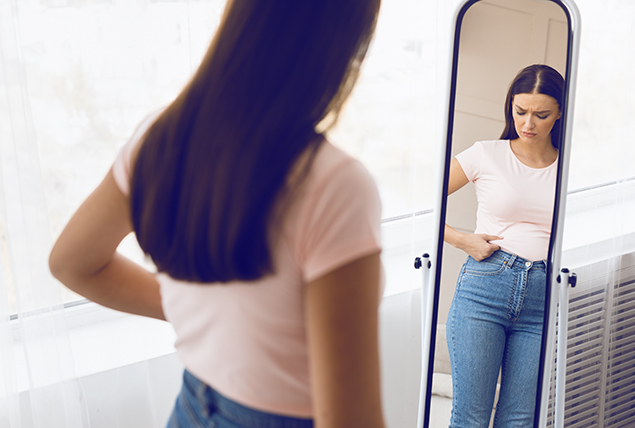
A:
[85,257]
[476,245]
[342,334]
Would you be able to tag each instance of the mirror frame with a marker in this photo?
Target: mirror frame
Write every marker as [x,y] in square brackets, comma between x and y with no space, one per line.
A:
[430,292]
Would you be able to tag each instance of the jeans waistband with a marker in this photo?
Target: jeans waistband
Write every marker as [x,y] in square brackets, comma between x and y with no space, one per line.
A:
[513,260]
[239,414]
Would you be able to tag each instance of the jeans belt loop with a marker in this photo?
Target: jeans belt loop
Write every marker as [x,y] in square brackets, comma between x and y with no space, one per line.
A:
[511,261]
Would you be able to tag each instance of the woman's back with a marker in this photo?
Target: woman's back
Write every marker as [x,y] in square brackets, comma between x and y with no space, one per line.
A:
[265,237]
[255,331]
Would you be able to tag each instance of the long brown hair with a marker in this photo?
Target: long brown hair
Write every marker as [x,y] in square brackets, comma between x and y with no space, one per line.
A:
[211,167]
[534,79]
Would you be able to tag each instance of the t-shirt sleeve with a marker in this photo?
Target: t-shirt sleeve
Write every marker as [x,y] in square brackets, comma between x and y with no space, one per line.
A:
[343,221]
[470,161]
[122,167]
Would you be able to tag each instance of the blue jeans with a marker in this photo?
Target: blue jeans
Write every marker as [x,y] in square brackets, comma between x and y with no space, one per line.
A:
[495,323]
[199,406]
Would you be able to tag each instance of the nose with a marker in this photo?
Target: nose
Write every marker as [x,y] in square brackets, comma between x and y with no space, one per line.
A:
[530,122]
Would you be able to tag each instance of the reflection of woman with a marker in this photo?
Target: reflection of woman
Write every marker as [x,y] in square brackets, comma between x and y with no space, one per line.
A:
[495,321]
[265,236]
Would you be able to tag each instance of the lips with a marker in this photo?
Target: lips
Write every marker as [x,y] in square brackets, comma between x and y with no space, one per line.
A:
[529,134]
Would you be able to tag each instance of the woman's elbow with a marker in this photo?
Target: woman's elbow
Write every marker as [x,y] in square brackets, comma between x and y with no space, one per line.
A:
[57,264]
[61,264]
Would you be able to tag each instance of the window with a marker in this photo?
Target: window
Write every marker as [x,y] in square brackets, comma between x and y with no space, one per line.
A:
[94,69]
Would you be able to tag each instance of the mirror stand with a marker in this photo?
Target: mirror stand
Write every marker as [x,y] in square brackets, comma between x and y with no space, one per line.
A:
[492,41]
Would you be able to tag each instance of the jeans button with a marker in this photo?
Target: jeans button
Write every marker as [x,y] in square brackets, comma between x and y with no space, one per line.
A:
[528,264]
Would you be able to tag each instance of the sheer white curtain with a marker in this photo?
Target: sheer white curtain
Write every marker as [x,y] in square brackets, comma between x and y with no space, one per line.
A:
[62,118]
[76,77]
[38,385]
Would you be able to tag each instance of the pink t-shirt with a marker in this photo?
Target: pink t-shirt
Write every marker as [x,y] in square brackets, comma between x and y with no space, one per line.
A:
[247,340]
[515,201]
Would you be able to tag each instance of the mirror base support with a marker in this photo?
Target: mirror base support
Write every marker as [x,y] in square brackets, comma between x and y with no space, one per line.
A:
[565,279]
[427,299]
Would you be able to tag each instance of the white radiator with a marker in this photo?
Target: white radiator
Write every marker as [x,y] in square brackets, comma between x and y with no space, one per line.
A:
[600,383]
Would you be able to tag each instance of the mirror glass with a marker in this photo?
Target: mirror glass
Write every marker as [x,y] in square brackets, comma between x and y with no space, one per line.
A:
[497,39]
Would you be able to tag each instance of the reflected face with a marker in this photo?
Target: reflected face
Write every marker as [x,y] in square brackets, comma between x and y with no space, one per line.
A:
[534,115]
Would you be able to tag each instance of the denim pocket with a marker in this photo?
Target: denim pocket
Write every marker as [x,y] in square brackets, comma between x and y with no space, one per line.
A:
[490,266]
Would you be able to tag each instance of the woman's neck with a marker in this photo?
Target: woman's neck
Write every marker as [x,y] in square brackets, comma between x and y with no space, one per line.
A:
[539,155]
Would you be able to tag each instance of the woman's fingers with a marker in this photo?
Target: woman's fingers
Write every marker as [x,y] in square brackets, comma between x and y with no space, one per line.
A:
[491,249]
[489,238]
[482,248]
[478,245]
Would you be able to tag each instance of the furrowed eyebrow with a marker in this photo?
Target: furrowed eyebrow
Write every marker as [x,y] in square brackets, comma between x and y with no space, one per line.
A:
[537,112]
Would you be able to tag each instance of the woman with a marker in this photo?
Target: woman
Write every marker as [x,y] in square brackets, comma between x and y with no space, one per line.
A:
[264,235]
[495,320]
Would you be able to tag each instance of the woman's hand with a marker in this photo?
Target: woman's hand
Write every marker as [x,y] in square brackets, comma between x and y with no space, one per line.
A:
[477,245]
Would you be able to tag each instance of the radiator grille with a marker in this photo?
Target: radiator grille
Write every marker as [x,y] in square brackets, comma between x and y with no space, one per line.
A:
[620,374]
[600,385]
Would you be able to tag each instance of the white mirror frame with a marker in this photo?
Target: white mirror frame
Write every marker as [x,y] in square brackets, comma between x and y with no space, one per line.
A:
[557,229]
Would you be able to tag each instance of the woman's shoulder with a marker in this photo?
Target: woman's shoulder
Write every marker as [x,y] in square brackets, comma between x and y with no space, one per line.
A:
[337,182]
[338,213]
[336,167]
[485,146]
[481,155]
[122,166]
[329,155]
[493,144]
[492,149]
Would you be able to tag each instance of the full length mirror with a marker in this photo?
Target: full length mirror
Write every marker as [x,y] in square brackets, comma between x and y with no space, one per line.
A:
[506,110]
